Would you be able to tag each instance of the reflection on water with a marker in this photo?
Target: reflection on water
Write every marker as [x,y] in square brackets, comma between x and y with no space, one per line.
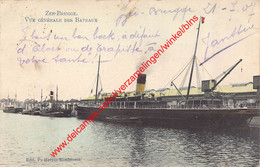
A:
[106,144]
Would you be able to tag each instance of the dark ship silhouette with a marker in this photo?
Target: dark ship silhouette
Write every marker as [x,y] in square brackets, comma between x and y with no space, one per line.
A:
[206,112]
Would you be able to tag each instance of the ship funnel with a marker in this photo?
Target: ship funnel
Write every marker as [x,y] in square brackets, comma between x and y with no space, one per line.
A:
[51,96]
[140,84]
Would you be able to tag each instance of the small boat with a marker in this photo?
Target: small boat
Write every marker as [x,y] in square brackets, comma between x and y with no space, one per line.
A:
[12,106]
[55,111]
[34,111]
[64,113]
[12,109]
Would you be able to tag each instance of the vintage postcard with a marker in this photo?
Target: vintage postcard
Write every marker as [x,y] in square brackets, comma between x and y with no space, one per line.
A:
[129,83]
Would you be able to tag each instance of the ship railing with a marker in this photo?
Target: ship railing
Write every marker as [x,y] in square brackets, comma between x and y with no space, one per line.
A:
[200,103]
[194,104]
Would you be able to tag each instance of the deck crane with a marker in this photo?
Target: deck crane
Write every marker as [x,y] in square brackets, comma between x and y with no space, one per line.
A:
[210,85]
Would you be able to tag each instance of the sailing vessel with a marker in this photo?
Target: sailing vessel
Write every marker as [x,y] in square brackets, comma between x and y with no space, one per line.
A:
[33,111]
[12,108]
[180,112]
[31,107]
[55,109]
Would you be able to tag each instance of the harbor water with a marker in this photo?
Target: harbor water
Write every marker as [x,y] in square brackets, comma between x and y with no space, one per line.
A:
[27,140]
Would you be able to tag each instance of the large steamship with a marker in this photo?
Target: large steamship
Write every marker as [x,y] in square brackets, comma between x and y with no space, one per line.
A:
[13,106]
[183,111]
[206,111]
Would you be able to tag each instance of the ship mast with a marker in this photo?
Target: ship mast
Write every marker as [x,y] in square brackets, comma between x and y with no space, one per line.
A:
[8,101]
[193,60]
[56,92]
[15,99]
[96,97]
[41,100]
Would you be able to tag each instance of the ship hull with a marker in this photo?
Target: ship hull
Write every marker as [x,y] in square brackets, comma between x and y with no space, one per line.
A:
[12,110]
[179,118]
[63,113]
[30,112]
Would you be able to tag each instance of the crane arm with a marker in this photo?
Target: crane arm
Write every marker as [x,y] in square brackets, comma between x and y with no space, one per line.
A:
[225,75]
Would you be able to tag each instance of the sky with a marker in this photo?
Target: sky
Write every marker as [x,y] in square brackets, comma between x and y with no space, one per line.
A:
[39,40]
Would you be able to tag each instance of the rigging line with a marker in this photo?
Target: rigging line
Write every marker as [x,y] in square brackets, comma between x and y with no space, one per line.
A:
[197,73]
[101,87]
[178,74]
[198,77]
[223,73]
[183,70]
[185,76]
[209,74]
[92,87]
[205,69]
[220,88]
[100,83]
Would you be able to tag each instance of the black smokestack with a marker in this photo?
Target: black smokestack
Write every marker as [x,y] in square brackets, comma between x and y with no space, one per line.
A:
[140,84]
